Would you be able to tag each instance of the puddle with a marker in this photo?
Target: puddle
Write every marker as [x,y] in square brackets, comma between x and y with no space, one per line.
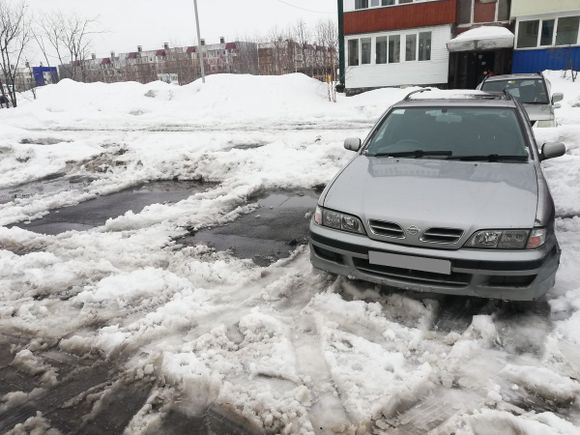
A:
[49,185]
[269,233]
[95,212]
[249,146]
[215,420]
[42,141]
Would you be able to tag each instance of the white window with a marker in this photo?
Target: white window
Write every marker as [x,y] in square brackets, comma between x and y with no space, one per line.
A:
[394,48]
[366,4]
[425,46]
[353,52]
[381,50]
[528,33]
[365,49]
[567,33]
[410,47]
[548,32]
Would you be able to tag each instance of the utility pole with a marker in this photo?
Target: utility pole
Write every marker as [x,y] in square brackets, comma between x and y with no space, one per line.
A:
[199,46]
[341,57]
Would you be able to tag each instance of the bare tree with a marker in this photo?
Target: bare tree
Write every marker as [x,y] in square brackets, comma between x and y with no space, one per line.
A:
[301,34]
[327,38]
[69,37]
[14,37]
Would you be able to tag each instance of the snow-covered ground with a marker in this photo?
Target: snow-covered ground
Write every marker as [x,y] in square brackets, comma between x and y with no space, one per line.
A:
[288,349]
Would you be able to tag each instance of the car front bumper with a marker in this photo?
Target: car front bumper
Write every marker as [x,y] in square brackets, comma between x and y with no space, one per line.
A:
[509,275]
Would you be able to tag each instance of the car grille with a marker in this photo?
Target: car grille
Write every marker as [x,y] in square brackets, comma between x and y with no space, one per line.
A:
[387,229]
[458,280]
[446,236]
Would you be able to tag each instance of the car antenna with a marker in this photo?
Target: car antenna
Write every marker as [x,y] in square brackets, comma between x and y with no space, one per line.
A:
[508,96]
[408,97]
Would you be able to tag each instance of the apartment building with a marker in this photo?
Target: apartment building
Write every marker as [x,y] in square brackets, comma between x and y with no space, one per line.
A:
[287,56]
[547,35]
[410,42]
[178,65]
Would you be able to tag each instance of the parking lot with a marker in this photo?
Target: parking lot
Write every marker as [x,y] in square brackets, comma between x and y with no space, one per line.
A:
[158,278]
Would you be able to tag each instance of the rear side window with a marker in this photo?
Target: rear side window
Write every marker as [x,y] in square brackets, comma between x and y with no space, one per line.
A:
[460,131]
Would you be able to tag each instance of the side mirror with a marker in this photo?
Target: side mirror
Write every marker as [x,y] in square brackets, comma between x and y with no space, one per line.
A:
[557,97]
[352,144]
[552,150]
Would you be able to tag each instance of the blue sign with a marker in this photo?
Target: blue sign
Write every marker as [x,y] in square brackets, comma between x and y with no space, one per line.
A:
[45,75]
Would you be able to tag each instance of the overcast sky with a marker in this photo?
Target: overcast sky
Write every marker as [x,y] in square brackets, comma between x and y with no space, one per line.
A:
[128,23]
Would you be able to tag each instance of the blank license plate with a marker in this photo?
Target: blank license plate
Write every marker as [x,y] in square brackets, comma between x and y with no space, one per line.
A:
[407,262]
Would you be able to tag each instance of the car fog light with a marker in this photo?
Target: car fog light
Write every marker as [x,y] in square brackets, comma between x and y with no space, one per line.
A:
[537,238]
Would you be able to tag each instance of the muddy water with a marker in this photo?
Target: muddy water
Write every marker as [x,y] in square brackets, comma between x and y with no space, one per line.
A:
[269,233]
[95,212]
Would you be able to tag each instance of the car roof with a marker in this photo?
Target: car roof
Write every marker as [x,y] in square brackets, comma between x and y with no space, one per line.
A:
[514,77]
[425,98]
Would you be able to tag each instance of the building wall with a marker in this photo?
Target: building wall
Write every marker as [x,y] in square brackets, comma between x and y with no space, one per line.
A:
[475,12]
[521,8]
[531,61]
[406,16]
[434,71]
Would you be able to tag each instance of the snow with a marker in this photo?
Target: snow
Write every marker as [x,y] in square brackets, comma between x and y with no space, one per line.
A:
[287,348]
[482,38]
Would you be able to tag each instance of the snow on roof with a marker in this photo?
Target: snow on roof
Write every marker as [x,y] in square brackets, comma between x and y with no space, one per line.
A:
[482,38]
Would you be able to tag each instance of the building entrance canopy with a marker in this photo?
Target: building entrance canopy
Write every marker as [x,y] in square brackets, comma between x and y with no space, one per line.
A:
[482,38]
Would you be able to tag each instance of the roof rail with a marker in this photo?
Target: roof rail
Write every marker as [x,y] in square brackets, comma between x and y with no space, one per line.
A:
[508,96]
[409,95]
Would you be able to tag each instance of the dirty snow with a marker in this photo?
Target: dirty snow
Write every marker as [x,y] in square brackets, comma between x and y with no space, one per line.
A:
[124,311]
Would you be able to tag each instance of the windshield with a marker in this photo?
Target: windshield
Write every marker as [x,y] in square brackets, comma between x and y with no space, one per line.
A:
[450,133]
[529,91]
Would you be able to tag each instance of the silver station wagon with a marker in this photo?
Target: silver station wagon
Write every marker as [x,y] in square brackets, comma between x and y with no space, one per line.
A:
[533,91]
[446,195]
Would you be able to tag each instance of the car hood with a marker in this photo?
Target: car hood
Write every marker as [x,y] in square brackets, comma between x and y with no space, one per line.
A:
[437,193]
[539,112]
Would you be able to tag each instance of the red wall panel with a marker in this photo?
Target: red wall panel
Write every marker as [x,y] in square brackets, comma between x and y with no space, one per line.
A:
[484,12]
[409,16]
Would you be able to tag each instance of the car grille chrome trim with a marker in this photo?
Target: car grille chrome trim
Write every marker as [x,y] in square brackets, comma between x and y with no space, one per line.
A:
[386,229]
[444,236]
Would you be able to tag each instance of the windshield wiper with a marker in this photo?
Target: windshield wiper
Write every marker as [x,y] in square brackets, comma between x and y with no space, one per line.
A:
[491,158]
[417,154]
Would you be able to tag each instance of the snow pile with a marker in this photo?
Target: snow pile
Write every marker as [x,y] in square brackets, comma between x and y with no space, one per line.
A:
[236,101]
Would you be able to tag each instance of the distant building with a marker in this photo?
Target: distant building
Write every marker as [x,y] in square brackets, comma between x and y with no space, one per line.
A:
[24,79]
[287,56]
[174,64]
[180,65]
[547,35]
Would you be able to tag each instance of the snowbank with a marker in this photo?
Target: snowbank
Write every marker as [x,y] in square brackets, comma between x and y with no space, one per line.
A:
[240,101]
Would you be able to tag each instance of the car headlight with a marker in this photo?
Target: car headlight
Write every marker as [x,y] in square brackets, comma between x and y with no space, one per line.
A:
[338,221]
[508,239]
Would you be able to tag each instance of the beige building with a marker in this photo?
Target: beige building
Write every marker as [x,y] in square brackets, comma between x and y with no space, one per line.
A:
[522,8]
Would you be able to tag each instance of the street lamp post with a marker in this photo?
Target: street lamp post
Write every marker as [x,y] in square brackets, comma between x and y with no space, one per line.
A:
[199,46]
